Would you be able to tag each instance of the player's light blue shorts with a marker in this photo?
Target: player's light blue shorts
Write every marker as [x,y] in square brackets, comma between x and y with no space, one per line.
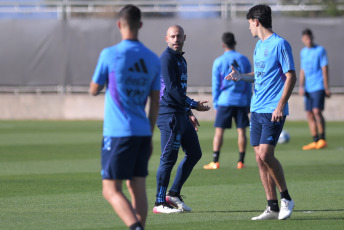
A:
[263,130]
[225,115]
[315,100]
[125,157]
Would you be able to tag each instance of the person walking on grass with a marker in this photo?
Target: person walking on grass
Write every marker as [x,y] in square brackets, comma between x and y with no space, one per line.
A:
[231,99]
[274,79]
[177,125]
[131,73]
[314,87]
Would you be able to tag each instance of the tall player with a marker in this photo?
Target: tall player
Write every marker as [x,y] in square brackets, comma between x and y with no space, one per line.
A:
[131,73]
[274,79]
[314,86]
[231,99]
[177,125]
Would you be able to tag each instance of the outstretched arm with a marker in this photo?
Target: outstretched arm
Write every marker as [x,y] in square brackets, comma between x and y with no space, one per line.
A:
[235,75]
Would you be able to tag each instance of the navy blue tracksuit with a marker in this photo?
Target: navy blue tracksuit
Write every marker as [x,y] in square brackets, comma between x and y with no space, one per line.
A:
[174,124]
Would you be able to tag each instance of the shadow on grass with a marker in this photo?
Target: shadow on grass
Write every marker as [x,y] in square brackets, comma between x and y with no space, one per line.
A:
[248,211]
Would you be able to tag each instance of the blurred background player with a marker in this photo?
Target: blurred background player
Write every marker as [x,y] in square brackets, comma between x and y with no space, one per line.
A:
[131,73]
[274,79]
[177,125]
[231,99]
[314,86]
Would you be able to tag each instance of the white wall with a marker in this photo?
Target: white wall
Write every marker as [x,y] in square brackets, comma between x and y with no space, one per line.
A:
[86,107]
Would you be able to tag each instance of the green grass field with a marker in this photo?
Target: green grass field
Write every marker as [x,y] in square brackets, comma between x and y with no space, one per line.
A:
[50,179]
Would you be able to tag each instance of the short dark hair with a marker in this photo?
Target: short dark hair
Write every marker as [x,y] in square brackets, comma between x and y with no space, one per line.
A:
[228,39]
[307,32]
[262,13]
[132,15]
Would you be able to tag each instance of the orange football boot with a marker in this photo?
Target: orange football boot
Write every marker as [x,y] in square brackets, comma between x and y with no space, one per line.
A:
[240,165]
[212,165]
[310,146]
[321,144]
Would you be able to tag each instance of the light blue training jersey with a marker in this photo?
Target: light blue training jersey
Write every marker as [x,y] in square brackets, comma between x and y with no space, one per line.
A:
[230,93]
[272,59]
[130,71]
[312,60]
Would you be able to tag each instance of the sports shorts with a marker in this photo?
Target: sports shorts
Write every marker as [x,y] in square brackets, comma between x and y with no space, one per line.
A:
[225,115]
[315,100]
[263,130]
[123,158]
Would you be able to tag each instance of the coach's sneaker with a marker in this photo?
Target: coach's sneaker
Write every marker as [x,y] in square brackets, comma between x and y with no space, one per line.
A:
[321,144]
[268,214]
[240,165]
[165,208]
[310,146]
[177,201]
[212,165]
[286,209]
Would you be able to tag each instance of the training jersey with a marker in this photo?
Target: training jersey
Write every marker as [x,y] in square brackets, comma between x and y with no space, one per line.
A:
[272,59]
[230,93]
[312,60]
[174,78]
[130,71]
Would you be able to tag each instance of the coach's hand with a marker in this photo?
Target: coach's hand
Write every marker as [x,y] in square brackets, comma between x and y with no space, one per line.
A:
[202,107]
[194,122]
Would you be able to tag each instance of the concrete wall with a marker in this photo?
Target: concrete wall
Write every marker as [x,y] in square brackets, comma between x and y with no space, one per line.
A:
[86,107]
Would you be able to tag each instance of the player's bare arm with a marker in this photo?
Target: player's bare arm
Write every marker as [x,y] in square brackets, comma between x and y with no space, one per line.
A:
[202,107]
[95,88]
[325,76]
[277,115]
[235,75]
[302,83]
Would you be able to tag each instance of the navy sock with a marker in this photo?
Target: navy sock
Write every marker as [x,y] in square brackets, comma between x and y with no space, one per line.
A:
[241,157]
[285,195]
[315,138]
[216,156]
[136,226]
[322,136]
[273,204]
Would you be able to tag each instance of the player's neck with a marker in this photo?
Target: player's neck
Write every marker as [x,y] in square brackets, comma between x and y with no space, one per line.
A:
[130,35]
[265,34]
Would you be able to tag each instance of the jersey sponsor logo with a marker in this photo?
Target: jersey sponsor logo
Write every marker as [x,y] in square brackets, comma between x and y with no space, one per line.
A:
[184,77]
[260,64]
[139,66]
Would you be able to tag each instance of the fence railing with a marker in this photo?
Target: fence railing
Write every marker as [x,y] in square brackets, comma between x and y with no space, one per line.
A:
[66,9]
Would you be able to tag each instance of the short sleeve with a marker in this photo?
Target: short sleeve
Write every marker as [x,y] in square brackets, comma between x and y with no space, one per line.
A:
[101,72]
[285,56]
[323,58]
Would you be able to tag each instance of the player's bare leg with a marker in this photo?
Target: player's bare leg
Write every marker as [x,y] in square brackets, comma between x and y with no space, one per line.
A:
[218,139]
[312,123]
[267,157]
[112,192]
[136,188]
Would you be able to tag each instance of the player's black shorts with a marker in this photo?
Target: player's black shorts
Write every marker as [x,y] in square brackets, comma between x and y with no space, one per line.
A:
[315,100]
[263,130]
[225,115]
[125,157]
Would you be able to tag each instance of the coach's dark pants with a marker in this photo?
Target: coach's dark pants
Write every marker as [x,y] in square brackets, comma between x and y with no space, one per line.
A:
[176,130]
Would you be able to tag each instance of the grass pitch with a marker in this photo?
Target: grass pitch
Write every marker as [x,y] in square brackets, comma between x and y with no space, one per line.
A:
[50,179]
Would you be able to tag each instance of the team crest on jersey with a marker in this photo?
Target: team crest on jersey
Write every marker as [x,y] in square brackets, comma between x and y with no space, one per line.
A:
[266,52]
